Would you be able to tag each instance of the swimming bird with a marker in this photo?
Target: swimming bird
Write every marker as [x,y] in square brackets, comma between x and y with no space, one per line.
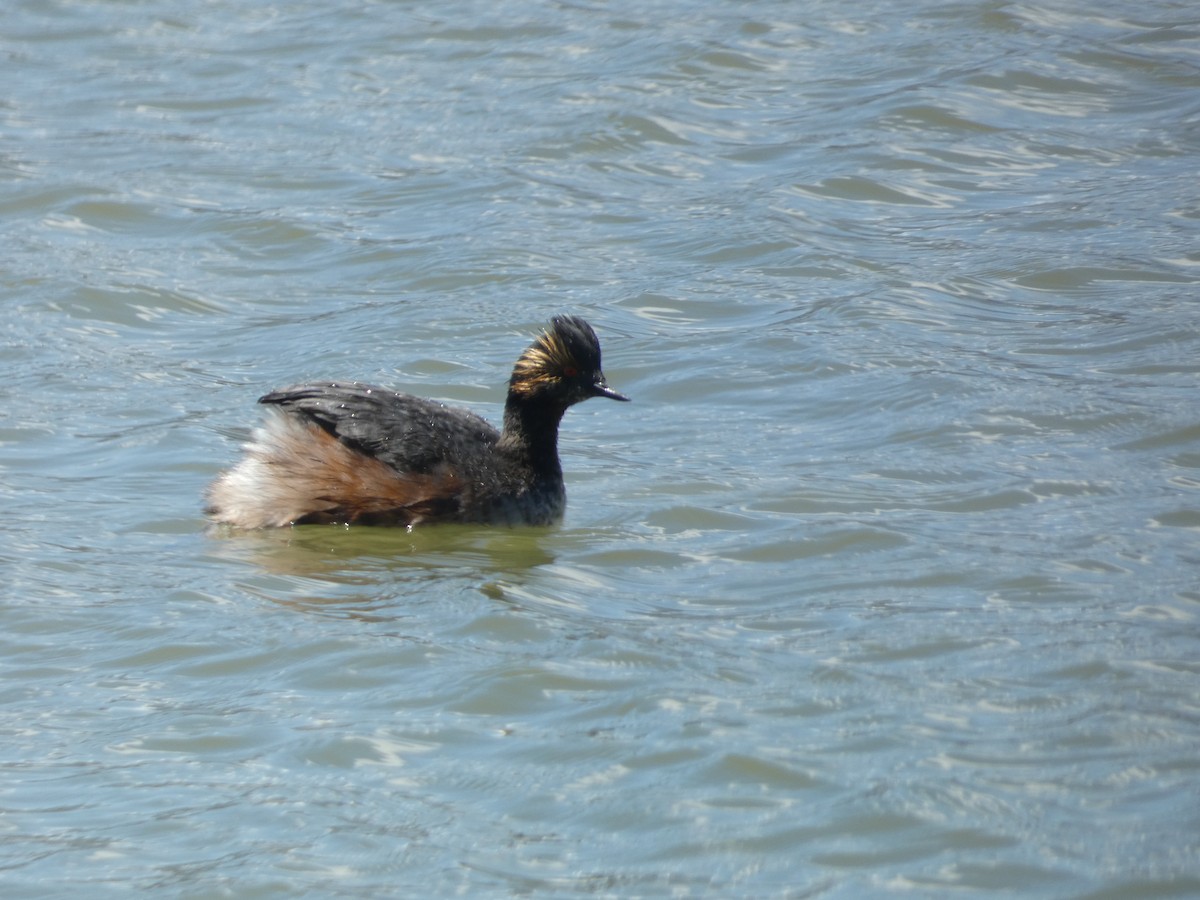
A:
[351,453]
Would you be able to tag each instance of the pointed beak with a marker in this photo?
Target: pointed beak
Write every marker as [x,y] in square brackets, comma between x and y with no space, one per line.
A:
[600,388]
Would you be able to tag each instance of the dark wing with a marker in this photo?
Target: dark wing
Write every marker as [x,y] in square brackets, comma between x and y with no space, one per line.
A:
[409,433]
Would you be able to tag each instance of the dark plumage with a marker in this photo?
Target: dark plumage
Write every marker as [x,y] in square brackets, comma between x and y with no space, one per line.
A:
[355,453]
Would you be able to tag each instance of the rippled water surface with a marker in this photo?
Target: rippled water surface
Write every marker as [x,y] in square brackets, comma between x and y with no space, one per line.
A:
[887,583]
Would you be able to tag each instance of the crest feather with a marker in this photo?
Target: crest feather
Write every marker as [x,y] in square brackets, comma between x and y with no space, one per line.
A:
[569,343]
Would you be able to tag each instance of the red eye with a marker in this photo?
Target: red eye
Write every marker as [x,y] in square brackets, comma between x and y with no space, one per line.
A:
[570,371]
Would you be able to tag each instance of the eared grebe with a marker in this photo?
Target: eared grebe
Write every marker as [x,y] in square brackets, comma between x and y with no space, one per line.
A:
[354,453]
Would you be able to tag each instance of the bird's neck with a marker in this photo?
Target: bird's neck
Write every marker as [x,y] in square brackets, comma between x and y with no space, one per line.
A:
[531,429]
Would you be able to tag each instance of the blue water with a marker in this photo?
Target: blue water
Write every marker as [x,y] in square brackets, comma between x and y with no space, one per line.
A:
[886,583]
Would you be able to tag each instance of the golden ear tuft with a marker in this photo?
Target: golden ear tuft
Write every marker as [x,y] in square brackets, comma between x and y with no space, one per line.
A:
[565,349]
[541,363]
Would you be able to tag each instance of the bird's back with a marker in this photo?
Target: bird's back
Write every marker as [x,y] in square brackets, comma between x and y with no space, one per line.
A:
[409,434]
[356,453]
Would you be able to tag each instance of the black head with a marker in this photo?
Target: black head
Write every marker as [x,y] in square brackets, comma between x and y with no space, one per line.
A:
[563,364]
